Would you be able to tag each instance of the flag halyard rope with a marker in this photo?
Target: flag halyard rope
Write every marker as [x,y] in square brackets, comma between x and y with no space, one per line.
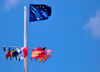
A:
[38,67]
[12,66]
[30,66]
[15,65]
[9,66]
[19,66]
[34,66]
[19,47]
[42,67]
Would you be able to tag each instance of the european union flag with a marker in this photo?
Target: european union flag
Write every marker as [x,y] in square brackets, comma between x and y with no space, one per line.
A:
[13,52]
[39,12]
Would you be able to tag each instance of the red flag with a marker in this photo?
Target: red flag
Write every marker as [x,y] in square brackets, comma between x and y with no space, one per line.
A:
[40,49]
[7,55]
[38,53]
[35,54]
[25,51]
[41,52]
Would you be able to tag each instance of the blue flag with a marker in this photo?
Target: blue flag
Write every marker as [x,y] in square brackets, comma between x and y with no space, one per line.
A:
[13,52]
[39,12]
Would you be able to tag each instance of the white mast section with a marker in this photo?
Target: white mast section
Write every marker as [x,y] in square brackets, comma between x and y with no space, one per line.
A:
[25,38]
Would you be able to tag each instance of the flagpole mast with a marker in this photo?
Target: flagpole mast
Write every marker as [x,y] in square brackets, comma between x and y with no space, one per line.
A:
[25,38]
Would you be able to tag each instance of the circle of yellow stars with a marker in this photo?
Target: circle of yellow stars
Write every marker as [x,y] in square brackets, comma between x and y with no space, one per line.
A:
[37,8]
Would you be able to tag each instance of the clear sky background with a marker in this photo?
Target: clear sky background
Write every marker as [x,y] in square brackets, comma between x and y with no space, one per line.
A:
[72,32]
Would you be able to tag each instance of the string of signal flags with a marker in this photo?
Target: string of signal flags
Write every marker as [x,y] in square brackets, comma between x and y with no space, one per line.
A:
[21,53]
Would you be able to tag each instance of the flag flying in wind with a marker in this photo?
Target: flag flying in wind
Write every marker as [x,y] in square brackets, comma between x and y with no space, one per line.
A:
[39,12]
[22,53]
[47,54]
[6,53]
[38,53]
[35,54]
[42,58]
[42,54]
[13,52]
[25,51]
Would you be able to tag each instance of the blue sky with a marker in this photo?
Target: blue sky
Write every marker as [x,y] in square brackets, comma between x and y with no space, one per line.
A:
[72,32]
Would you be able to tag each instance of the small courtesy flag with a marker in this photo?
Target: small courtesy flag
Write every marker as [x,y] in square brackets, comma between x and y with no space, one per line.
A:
[13,52]
[35,54]
[41,52]
[42,58]
[48,54]
[22,53]
[25,51]
[6,53]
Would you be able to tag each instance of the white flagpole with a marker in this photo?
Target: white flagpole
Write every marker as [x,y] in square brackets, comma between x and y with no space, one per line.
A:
[25,38]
